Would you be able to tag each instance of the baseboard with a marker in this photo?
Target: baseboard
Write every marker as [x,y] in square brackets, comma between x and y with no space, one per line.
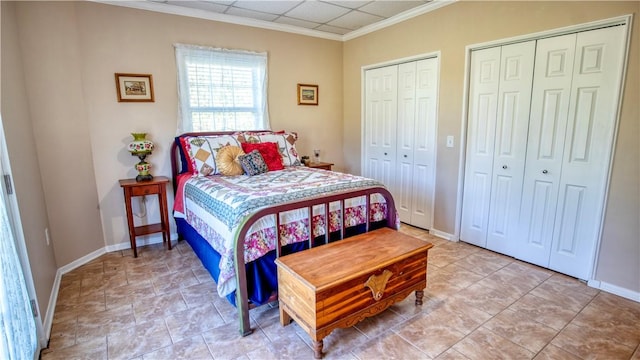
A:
[614,289]
[442,235]
[48,318]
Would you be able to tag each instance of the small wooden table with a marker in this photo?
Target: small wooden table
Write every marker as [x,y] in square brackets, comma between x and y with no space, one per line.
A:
[341,283]
[155,186]
[320,165]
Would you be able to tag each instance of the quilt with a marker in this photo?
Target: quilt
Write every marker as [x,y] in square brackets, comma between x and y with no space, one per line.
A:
[217,206]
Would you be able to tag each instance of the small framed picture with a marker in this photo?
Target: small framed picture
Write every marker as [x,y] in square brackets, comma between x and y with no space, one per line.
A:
[134,87]
[307,94]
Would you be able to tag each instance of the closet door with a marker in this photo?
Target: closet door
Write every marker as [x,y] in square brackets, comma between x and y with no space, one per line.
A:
[381,116]
[483,107]
[549,111]
[514,101]
[417,109]
[587,149]
[574,107]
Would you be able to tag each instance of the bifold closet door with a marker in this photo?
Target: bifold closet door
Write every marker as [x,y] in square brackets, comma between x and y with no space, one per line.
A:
[416,137]
[500,98]
[381,116]
[571,143]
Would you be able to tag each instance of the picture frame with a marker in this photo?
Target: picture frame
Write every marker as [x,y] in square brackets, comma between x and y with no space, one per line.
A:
[308,94]
[134,87]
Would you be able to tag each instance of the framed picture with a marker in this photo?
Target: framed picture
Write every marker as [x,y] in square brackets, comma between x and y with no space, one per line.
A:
[134,87]
[307,94]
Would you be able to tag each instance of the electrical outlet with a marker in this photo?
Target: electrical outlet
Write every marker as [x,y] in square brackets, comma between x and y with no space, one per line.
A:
[450,141]
[46,235]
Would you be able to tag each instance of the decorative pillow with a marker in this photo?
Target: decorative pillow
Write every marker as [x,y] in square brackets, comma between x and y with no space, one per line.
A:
[285,141]
[269,152]
[227,160]
[201,152]
[253,163]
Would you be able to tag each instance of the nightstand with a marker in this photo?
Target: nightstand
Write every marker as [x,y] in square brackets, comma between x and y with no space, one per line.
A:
[320,165]
[156,186]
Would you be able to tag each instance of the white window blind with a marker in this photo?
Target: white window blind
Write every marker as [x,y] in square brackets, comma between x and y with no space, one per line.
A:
[220,89]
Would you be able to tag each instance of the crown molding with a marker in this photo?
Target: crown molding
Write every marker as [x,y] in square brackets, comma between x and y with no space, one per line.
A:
[237,20]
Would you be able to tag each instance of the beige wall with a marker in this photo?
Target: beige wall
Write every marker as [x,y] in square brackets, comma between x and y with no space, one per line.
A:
[450,30]
[71,51]
[24,161]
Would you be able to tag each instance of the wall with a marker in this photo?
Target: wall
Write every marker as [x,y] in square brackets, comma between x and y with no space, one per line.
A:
[24,161]
[71,51]
[449,30]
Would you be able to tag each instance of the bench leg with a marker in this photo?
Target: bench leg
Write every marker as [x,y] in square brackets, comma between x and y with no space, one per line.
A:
[285,319]
[317,349]
[419,296]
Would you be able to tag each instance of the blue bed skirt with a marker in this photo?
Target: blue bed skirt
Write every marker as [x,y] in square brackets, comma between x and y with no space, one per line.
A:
[262,278]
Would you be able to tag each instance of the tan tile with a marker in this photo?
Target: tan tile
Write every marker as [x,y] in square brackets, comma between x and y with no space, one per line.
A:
[95,348]
[173,281]
[202,275]
[532,272]
[225,342]
[550,313]
[451,355]
[572,299]
[288,348]
[485,298]
[138,340]
[612,325]
[509,282]
[191,322]
[338,344]
[200,294]
[586,343]
[552,352]
[389,344]
[616,306]
[380,323]
[128,294]
[450,279]
[407,308]
[104,322]
[572,284]
[449,252]
[63,334]
[484,262]
[484,344]
[93,283]
[430,333]
[636,354]
[521,330]
[191,348]
[158,307]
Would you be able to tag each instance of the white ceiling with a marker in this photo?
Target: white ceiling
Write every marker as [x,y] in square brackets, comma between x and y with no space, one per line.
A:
[338,20]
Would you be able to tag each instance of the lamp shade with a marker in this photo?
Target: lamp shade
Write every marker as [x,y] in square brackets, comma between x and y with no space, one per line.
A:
[140,145]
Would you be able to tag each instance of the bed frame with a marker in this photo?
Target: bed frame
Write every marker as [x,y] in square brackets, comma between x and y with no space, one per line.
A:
[242,303]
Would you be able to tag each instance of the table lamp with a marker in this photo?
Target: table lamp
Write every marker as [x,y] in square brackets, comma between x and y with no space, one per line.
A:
[141,147]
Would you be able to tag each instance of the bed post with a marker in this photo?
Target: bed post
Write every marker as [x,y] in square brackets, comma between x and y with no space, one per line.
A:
[242,294]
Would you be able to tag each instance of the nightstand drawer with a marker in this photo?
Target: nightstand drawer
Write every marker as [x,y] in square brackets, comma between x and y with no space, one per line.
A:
[144,190]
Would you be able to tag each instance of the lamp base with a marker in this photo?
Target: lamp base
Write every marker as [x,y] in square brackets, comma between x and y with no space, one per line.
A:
[146,177]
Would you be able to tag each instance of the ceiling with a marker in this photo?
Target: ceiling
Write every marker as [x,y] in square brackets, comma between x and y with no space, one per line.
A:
[337,20]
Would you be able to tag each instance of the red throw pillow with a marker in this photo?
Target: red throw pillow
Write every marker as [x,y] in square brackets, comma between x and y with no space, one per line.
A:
[269,151]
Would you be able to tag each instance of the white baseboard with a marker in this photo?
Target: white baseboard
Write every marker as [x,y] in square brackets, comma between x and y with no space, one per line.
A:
[442,235]
[48,318]
[614,289]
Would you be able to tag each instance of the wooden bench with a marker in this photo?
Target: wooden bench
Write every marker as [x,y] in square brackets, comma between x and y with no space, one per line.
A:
[339,284]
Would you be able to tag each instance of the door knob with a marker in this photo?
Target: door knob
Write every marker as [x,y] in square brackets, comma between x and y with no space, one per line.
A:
[544,171]
[385,153]
[504,167]
[405,155]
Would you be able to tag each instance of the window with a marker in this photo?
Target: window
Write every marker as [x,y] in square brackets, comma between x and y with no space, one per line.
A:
[221,90]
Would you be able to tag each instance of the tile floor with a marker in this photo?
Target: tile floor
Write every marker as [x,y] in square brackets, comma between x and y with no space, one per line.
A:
[478,305]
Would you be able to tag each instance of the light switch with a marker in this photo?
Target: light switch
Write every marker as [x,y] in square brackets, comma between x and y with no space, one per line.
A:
[450,141]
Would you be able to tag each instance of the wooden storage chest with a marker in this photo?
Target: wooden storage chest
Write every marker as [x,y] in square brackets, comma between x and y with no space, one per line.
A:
[342,283]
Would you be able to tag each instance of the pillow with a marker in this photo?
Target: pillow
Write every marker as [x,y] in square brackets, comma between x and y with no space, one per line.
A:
[227,160]
[201,152]
[285,141]
[253,163]
[269,152]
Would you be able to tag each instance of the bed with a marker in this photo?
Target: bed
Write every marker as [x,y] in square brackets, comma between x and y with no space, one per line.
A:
[251,220]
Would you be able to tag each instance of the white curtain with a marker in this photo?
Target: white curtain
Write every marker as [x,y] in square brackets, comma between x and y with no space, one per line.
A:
[221,89]
[18,336]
